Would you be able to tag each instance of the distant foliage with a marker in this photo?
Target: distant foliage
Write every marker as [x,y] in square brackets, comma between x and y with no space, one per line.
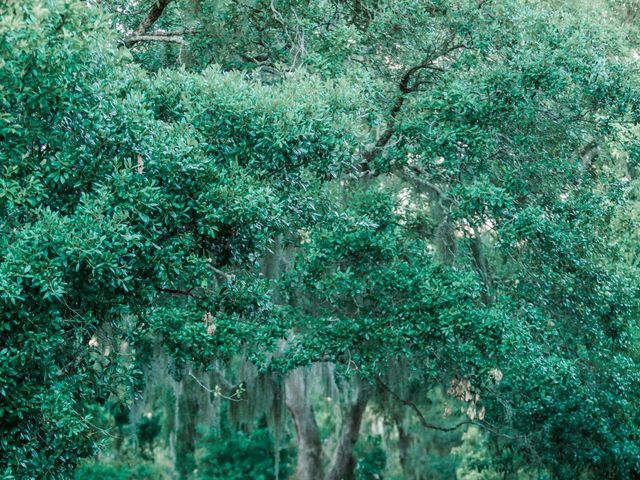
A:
[238,455]
[119,471]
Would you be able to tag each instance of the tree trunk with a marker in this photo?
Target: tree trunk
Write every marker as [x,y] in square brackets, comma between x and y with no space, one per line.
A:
[404,443]
[483,269]
[187,409]
[343,463]
[309,461]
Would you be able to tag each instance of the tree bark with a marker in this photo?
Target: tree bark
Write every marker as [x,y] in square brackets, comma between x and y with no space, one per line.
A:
[483,269]
[187,408]
[140,33]
[405,440]
[309,461]
[343,463]
[154,14]
[444,238]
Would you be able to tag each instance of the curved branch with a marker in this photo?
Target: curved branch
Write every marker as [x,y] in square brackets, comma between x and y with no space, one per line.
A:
[173,291]
[417,411]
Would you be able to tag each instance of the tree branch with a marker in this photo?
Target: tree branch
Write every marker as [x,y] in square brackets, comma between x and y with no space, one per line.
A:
[140,33]
[133,39]
[161,36]
[482,267]
[417,411]
[407,84]
[228,276]
[173,291]
[217,391]
[418,175]
[152,17]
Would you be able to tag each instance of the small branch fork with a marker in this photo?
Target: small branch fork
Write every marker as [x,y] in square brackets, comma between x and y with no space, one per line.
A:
[409,83]
[152,17]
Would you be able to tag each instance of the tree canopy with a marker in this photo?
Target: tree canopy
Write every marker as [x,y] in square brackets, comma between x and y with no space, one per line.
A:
[419,202]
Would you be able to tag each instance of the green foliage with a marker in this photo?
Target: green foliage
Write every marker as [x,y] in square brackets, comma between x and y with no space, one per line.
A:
[441,175]
[125,214]
[371,457]
[147,430]
[236,455]
[119,471]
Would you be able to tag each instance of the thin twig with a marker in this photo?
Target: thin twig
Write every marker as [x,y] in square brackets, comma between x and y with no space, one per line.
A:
[173,291]
[217,391]
[88,423]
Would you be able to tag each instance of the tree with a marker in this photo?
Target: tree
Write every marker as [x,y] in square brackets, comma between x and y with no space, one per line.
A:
[133,207]
[424,201]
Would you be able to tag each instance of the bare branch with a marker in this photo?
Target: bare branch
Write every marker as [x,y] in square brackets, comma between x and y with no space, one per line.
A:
[418,176]
[482,267]
[177,33]
[133,39]
[228,276]
[140,34]
[417,411]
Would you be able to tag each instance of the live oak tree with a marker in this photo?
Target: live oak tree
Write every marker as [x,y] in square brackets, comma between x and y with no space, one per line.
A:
[477,241]
[422,194]
[134,206]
